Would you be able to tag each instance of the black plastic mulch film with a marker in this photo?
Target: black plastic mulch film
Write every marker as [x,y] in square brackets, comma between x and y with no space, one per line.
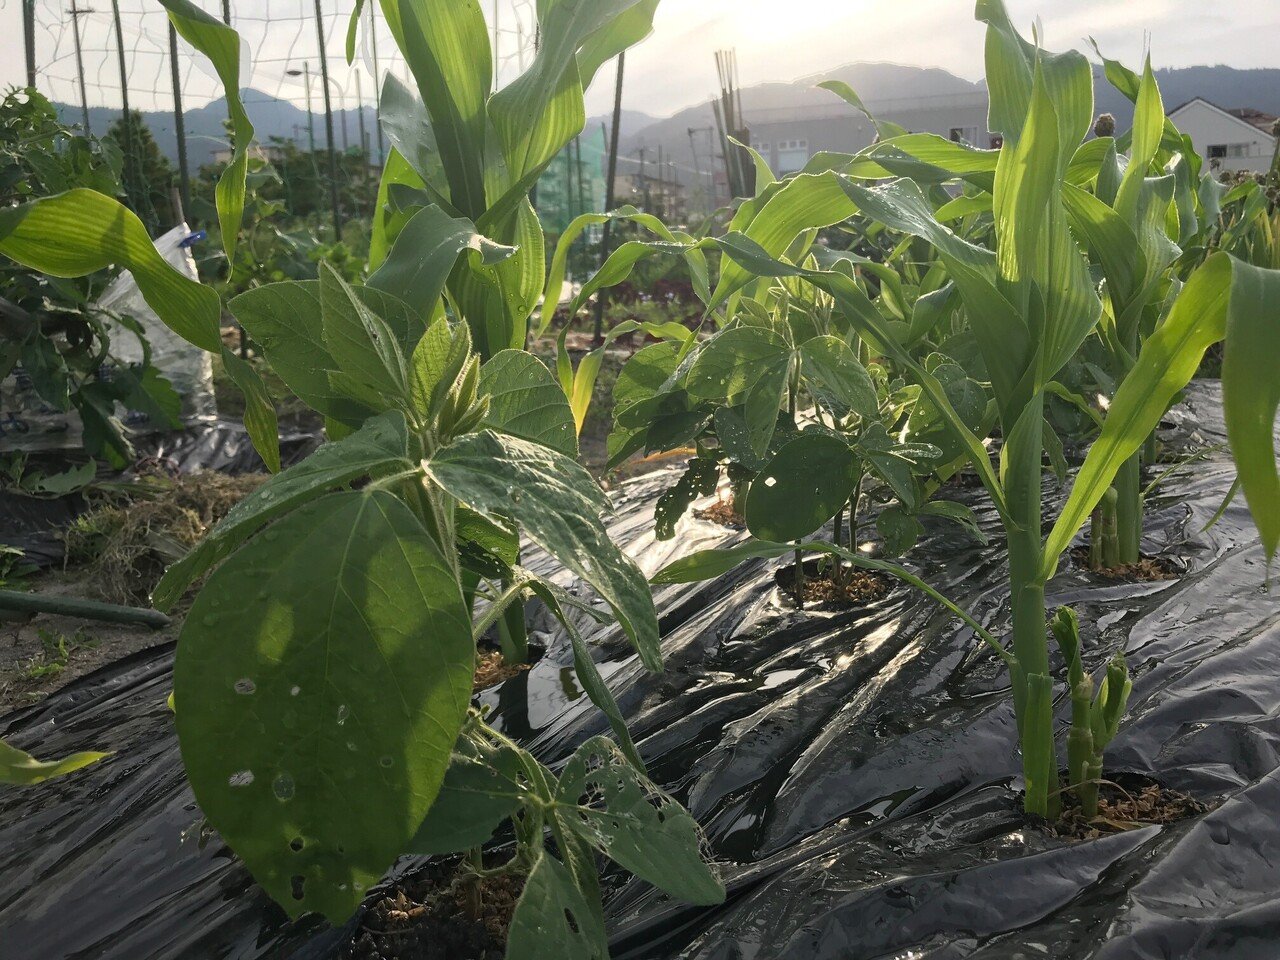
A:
[856,773]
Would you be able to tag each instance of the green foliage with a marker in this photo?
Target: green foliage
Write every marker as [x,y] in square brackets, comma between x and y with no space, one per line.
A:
[22,769]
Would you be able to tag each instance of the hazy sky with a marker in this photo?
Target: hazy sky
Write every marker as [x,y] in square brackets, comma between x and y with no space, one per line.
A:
[775,40]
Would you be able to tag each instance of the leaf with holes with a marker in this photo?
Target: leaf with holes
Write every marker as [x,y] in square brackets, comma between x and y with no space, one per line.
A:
[322,678]
[699,480]
[482,789]
[555,919]
[621,813]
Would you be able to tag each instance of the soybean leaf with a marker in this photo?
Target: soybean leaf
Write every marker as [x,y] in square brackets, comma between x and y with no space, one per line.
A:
[631,821]
[526,401]
[841,382]
[482,789]
[801,488]
[558,505]
[593,684]
[370,367]
[317,722]
[554,918]
[699,480]
[377,449]
[438,360]
[20,768]
[899,529]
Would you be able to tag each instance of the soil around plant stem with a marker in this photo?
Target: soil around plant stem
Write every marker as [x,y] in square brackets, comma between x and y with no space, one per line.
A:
[425,918]
[723,513]
[492,669]
[1123,807]
[1146,570]
[855,587]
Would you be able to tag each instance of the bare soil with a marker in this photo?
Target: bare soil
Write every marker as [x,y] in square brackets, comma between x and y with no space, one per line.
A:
[1146,570]
[426,918]
[855,588]
[493,669]
[723,513]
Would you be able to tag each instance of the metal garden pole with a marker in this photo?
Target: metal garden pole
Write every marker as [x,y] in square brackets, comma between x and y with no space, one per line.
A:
[29,38]
[84,93]
[328,126]
[610,183]
[179,124]
[130,182]
[377,84]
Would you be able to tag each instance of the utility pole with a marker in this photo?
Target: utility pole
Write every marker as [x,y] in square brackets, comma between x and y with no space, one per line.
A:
[610,185]
[84,93]
[29,38]
[328,125]
[179,127]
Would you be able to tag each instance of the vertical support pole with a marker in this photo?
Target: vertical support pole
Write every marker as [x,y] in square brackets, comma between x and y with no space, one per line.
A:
[328,125]
[179,127]
[311,114]
[84,93]
[131,182]
[364,136]
[29,38]
[611,181]
[226,12]
[377,84]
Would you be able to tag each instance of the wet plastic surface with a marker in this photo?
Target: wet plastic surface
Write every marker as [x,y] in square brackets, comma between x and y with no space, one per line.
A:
[856,772]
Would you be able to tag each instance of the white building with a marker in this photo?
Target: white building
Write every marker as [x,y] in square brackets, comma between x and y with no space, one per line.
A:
[1240,139]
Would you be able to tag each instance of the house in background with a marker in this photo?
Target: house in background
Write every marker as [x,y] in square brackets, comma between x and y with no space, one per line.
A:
[1232,140]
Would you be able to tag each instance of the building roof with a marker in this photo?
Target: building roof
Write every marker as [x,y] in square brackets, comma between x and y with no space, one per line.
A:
[1256,119]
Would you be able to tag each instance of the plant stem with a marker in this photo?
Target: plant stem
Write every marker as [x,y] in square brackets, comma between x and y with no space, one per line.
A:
[1128,487]
[474,890]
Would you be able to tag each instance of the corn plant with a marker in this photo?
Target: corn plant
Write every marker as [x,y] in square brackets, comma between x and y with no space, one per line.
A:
[1031,303]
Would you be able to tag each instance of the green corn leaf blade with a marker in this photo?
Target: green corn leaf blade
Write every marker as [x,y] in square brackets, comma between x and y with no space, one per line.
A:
[1148,130]
[635,824]
[541,111]
[1169,359]
[426,252]
[831,369]
[558,506]
[622,33]
[1111,239]
[526,401]
[81,232]
[317,722]
[446,44]
[222,45]
[377,449]
[482,789]
[407,127]
[802,203]
[885,128]
[623,261]
[1251,392]
[387,221]
[353,31]
[801,489]
[21,769]
[260,421]
[554,919]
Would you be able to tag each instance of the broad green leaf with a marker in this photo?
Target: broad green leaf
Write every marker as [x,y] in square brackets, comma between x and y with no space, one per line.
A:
[632,822]
[802,488]
[21,769]
[597,691]
[446,44]
[526,401]
[425,253]
[388,222]
[81,232]
[831,369]
[1168,361]
[222,45]
[899,529]
[558,505]
[735,360]
[317,721]
[699,480]
[371,368]
[378,449]
[555,919]
[482,789]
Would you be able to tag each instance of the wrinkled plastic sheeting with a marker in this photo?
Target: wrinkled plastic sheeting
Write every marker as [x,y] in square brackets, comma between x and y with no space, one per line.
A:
[855,772]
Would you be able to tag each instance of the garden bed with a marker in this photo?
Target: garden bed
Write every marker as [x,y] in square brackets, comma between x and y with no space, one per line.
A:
[855,771]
